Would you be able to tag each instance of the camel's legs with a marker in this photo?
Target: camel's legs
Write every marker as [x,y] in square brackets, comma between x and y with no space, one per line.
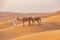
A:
[23,23]
[38,22]
[33,22]
[29,23]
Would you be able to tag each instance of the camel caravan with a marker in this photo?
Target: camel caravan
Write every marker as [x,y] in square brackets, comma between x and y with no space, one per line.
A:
[29,20]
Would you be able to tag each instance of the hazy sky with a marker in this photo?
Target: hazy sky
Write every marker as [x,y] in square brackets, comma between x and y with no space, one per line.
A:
[29,5]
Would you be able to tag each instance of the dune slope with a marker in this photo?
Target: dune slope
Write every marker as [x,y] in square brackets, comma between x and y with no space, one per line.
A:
[53,18]
[6,24]
[49,35]
[19,30]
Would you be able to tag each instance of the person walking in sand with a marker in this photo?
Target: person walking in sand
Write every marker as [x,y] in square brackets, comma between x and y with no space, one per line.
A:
[14,22]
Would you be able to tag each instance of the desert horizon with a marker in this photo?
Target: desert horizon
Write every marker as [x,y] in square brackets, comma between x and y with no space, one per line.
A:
[29,19]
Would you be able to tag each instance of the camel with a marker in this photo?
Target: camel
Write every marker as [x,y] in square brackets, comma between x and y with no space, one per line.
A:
[29,20]
[38,19]
[24,19]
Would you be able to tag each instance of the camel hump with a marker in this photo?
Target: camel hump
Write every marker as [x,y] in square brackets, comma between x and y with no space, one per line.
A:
[17,18]
[24,19]
[39,17]
[29,18]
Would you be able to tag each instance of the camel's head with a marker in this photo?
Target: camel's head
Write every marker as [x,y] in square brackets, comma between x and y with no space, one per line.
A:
[18,19]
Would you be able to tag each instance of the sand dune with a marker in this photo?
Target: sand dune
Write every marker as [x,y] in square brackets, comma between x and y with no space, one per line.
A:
[19,30]
[53,18]
[57,12]
[6,24]
[6,21]
[6,17]
[8,31]
[49,35]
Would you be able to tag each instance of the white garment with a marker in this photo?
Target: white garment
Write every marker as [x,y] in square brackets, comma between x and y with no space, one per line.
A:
[14,22]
